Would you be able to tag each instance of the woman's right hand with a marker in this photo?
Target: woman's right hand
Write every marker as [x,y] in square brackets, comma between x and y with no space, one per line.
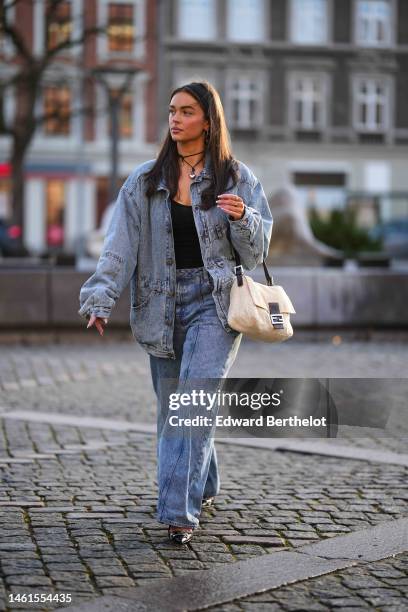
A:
[98,322]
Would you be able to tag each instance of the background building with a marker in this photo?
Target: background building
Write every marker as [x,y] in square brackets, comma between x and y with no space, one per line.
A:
[68,165]
[315,92]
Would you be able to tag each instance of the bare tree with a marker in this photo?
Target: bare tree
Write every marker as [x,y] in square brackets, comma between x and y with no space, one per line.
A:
[25,74]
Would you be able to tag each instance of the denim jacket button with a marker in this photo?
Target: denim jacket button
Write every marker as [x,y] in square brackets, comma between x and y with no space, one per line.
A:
[169,261]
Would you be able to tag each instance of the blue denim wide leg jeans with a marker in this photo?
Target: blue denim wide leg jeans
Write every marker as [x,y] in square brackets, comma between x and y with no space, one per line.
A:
[186,456]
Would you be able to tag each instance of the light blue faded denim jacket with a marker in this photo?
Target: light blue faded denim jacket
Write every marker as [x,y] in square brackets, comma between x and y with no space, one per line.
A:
[139,247]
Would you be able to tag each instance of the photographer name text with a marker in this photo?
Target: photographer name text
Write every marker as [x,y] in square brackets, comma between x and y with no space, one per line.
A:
[259,421]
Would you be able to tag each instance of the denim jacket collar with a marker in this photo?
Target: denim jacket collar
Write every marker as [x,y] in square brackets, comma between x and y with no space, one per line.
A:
[206,172]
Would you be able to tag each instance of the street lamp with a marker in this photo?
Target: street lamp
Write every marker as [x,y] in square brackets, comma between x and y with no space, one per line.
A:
[116,81]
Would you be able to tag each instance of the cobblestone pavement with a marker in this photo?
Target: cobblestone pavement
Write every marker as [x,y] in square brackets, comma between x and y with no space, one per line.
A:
[27,367]
[80,371]
[77,504]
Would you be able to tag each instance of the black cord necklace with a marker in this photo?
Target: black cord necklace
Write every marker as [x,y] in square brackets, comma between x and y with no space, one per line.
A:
[192,174]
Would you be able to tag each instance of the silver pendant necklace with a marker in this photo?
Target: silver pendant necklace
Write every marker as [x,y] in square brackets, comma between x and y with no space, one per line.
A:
[192,174]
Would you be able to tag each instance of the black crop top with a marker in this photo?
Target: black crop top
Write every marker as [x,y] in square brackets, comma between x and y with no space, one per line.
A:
[186,243]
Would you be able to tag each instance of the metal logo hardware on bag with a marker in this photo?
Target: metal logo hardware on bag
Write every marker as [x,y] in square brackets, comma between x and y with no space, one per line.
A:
[276,317]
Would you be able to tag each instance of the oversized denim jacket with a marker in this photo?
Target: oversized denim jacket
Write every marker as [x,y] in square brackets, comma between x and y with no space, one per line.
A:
[139,247]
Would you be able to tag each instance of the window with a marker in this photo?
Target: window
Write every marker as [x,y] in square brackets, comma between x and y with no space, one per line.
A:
[371,104]
[5,193]
[308,101]
[309,22]
[57,108]
[125,116]
[124,25]
[245,102]
[55,208]
[60,24]
[320,190]
[373,22]
[120,29]
[197,19]
[245,20]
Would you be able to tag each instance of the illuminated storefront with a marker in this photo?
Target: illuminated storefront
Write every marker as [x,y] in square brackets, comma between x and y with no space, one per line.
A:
[59,206]
[5,192]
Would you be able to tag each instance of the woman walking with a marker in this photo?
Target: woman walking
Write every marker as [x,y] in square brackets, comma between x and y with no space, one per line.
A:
[175,224]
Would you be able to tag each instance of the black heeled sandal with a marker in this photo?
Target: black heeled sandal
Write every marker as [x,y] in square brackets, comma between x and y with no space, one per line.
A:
[180,536]
[207,502]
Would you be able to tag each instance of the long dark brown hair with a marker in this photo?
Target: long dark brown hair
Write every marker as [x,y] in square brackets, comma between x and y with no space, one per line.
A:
[224,165]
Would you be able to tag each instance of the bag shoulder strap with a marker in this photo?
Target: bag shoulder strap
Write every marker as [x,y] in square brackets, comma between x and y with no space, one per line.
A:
[238,266]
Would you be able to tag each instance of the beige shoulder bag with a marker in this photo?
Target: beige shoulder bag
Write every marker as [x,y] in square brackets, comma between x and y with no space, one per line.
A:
[261,312]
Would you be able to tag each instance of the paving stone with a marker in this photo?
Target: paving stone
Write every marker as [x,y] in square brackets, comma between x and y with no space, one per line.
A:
[176,553]
[302,527]
[264,541]
[301,535]
[71,575]
[73,566]
[108,570]
[28,580]
[148,567]
[20,563]
[186,564]
[260,532]
[317,520]
[114,581]
[247,548]
[203,546]
[327,528]
[8,547]
[90,515]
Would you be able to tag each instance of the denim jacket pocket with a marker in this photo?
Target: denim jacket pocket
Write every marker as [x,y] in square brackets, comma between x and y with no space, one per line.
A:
[141,300]
[223,290]
[142,292]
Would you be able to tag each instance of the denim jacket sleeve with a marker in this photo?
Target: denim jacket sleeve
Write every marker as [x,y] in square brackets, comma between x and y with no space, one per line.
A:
[117,262]
[251,235]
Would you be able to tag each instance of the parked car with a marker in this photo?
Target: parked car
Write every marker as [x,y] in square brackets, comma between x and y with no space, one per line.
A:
[10,245]
[394,236]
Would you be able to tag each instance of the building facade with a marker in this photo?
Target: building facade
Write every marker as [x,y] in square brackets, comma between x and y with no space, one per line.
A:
[67,167]
[315,95]
[315,91]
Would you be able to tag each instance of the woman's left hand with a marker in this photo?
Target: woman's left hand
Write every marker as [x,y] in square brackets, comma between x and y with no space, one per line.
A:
[231,204]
